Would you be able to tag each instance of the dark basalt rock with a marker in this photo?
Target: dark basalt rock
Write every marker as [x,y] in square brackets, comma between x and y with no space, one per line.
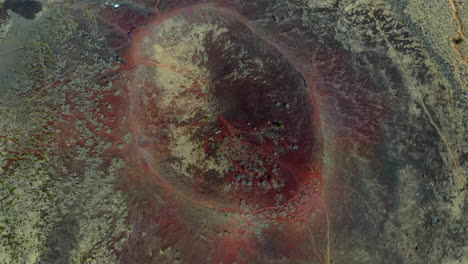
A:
[25,8]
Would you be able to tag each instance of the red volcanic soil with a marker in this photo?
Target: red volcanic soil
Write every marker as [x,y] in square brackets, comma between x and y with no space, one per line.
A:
[225,164]
[229,139]
[236,97]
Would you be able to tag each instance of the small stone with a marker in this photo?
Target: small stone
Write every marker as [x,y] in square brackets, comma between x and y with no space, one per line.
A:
[240,176]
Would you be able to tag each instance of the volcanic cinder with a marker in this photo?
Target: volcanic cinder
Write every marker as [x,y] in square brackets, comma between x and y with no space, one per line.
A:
[220,114]
[224,122]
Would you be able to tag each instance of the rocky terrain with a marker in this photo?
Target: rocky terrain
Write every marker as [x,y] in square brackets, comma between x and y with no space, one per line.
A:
[267,131]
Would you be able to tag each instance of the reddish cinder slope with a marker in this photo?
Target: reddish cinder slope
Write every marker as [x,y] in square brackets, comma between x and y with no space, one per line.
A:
[230,140]
[225,161]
